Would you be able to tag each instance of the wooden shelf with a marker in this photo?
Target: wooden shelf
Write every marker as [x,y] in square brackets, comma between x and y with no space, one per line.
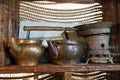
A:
[60,68]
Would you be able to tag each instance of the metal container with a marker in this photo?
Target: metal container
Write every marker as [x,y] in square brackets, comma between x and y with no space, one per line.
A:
[66,51]
[99,49]
[26,52]
[97,36]
[100,41]
[95,28]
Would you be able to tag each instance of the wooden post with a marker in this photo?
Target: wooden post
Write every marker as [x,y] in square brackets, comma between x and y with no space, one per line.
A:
[35,77]
[110,14]
[2,36]
[67,76]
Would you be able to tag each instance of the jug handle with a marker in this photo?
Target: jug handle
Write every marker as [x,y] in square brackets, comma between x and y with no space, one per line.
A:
[53,47]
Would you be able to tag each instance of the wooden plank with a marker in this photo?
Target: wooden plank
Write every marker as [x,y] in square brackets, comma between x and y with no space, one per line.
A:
[67,76]
[110,13]
[14,15]
[2,35]
[113,75]
[72,1]
[35,77]
[118,9]
[5,14]
[60,68]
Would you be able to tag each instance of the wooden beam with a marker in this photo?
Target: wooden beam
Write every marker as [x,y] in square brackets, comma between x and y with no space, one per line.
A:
[110,13]
[14,15]
[5,8]
[71,1]
[67,76]
[2,34]
[109,10]
[118,10]
[59,68]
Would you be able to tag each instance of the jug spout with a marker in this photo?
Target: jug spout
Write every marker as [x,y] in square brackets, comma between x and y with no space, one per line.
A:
[13,44]
[52,48]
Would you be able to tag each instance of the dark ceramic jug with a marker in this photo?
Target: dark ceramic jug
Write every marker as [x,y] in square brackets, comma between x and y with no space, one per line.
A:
[66,51]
